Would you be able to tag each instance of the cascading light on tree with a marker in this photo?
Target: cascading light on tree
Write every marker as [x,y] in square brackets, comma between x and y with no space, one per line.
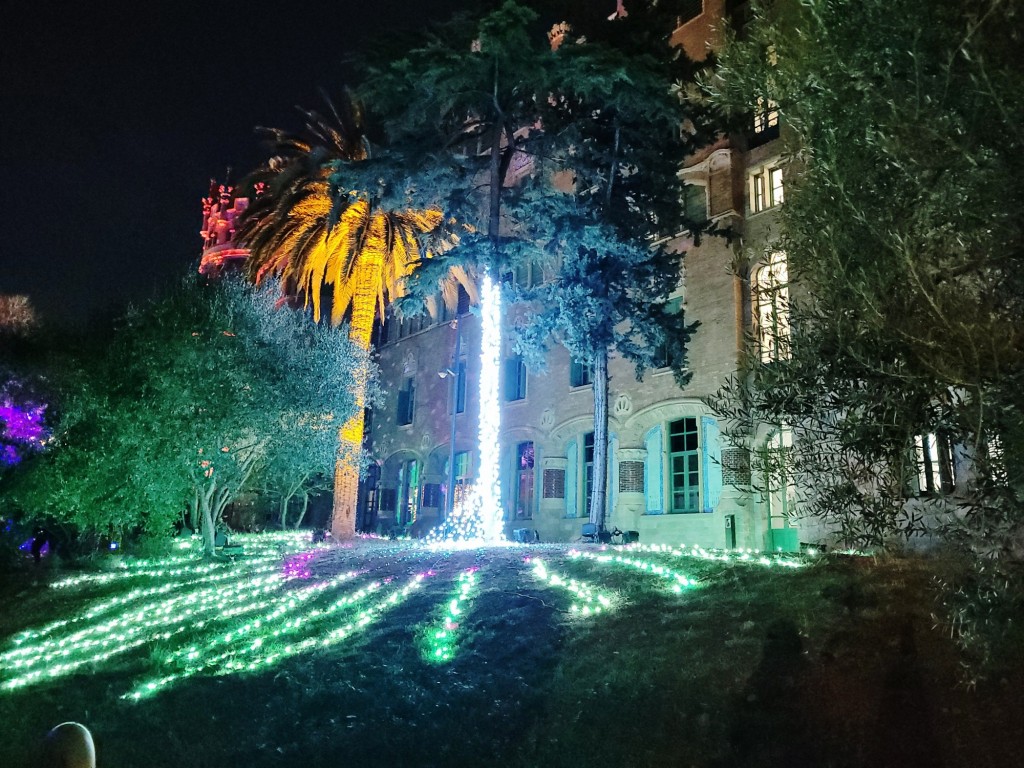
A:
[477,515]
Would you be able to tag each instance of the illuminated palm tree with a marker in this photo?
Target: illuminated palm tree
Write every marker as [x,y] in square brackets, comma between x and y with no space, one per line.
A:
[318,242]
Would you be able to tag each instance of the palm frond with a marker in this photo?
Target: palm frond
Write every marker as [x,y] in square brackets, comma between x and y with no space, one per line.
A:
[310,234]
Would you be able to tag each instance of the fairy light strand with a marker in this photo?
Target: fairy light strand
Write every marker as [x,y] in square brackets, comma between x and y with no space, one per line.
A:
[440,640]
[588,600]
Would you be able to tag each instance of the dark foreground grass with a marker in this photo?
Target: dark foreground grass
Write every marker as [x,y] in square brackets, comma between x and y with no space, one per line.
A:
[833,664]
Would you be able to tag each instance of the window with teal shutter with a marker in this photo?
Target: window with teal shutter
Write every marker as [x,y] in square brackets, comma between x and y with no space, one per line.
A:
[652,472]
[515,378]
[712,459]
[570,479]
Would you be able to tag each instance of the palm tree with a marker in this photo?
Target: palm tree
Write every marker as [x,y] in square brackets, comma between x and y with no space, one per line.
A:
[300,231]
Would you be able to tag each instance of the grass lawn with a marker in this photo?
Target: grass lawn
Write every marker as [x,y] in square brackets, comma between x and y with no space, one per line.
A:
[391,654]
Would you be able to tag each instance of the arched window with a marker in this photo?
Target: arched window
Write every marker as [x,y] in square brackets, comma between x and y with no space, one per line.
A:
[772,300]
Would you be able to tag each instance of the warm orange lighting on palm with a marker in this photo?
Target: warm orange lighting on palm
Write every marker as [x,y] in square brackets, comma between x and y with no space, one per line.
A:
[364,256]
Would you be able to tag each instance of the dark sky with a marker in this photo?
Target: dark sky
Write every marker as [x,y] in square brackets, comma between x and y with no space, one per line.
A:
[115,115]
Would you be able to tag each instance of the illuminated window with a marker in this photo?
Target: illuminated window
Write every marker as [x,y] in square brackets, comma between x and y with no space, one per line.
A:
[684,466]
[515,379]
[772,300]
[463,476]
[934,461]
[994,459]
[588,469]
[766,188]
[579,374]
[463,467]
[524,481]
[779,487]
[408,484]
[766,115]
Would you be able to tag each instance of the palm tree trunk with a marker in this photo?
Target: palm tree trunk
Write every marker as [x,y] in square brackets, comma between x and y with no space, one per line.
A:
[350,437]
[599,496]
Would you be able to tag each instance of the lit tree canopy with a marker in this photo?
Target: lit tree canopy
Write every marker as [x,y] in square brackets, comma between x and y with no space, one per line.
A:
[198,394]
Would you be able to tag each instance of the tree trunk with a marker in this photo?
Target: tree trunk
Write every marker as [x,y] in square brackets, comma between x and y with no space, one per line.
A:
[283,508]
[494,204]
[207,521]
[194,519]
[614,169]
[350,436]
[599,497]
[302,513]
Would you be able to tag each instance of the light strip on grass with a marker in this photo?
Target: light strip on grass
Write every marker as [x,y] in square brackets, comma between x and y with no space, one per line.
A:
[588,600]
[267,650]
[751,556]
[440,640]
[677,581]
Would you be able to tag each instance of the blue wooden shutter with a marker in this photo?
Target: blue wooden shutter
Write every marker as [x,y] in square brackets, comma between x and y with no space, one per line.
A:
[653,472]
[711,457]
[613,472]
[570,479]
[511,366]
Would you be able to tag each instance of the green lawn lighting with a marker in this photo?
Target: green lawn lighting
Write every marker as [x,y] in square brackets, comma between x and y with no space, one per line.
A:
[257,548]
[589,601]
[266,650]
[158,613]
[439,640]
[677,581]
[155,621]
[751,556]
[283,618]
[140,593]
[190,567]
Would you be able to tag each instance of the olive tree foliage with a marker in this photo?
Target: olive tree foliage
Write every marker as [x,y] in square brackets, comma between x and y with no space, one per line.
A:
[202,395]
[902,231]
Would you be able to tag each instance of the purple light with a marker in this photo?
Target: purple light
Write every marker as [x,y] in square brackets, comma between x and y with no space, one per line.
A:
[22,426]
[297,566]
[27,547]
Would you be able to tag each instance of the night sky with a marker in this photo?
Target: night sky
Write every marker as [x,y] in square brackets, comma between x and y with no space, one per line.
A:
[114,116]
